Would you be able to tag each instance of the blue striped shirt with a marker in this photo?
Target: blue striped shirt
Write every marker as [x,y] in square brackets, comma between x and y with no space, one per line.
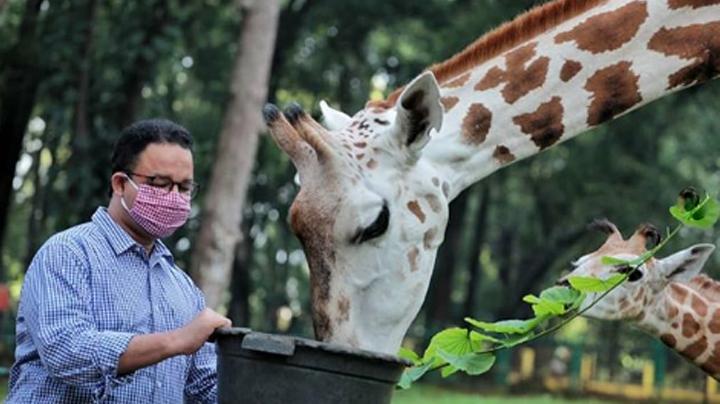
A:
[88,291]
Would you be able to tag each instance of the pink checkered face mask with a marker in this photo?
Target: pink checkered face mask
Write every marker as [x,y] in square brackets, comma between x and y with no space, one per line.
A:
[157,211]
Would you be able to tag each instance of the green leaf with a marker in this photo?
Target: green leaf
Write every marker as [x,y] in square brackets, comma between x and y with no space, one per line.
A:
[592,284]
[506,326]
[456,341]
[613,261]
[472,363]
[545,307]
[411,375]
[702,216]
[560,294]
[516,339]
[409,355]
[644,257]
[448,369]
[478,338]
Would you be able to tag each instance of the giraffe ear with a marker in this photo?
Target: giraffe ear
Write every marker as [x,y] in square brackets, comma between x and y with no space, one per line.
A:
[686,264]
[418,111]
[334,119]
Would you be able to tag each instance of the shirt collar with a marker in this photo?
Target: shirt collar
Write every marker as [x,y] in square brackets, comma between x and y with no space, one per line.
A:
[115,235]
[119,239]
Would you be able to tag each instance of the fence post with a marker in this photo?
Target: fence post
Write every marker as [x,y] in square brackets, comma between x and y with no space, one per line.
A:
[502,367]
[576,366]
[660,360]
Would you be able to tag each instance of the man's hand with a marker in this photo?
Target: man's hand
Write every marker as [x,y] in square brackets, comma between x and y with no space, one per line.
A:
[191,337]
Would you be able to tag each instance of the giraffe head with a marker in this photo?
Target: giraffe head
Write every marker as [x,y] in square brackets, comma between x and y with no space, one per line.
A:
[370,214]
[630,301]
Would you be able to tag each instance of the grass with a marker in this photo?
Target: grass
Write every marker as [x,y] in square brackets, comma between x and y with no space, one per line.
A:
[420,394]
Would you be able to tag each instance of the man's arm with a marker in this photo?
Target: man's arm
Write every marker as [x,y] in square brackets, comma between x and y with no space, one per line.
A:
[149,349]
[201,385]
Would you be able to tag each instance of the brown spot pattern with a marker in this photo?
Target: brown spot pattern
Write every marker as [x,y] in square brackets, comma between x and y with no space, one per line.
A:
[569,69]
[446,189]
[544,125]
[360,144]
[434,203]
[615,90]
[412,258]
[428,238]
[712,364]
[476,124]
[436,181]
[714,323]
[343,308]
[690,327]
[519,80]
[695,349]
[458,82]
[699,43]
[415,208]
[699,306]
[503,155]
[639,294]
[607,31]
[672,311]
[669,340]
[678,292]
[371,164]
[674,4]
[449,102]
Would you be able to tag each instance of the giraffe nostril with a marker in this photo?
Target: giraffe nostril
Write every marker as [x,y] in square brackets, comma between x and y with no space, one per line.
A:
[562,282]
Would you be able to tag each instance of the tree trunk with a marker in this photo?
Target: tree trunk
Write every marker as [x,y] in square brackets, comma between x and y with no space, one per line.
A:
[241,284]
[222,211]
[20,81]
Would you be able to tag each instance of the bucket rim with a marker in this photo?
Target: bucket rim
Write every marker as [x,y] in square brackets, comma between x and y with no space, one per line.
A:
[319,345]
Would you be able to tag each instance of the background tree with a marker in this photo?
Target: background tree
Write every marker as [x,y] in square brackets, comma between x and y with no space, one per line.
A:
[222,211]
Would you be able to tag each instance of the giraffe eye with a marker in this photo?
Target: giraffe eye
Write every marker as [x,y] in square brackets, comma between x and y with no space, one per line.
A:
[376,229]
[634,275]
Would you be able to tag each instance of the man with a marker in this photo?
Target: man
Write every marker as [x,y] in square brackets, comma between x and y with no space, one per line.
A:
[104,314]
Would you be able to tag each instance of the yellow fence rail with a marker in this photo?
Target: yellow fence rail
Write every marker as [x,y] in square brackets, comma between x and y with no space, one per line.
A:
[646,390]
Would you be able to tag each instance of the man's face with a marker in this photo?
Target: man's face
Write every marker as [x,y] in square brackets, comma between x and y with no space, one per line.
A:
[157,160]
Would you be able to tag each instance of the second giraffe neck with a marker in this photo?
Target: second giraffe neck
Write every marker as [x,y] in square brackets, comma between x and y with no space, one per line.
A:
[688,322]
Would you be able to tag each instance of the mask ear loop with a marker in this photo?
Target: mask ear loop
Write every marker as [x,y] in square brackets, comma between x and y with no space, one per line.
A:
[122,197]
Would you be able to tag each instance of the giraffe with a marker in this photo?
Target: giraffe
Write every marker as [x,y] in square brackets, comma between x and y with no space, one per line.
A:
[375,187]
[667,298]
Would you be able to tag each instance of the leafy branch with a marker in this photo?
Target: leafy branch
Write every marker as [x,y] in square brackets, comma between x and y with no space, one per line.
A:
[473,352]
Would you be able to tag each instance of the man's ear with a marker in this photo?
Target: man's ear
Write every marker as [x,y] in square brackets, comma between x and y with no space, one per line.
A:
[418,111]
[686,264]
[117,182]
[334,119]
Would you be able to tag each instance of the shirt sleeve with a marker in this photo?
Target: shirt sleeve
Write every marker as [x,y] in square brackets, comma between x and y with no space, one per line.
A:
[56,301]
[201,385]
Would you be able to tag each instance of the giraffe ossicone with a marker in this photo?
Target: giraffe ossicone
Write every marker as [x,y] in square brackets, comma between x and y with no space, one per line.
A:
[666,297]
[373,204]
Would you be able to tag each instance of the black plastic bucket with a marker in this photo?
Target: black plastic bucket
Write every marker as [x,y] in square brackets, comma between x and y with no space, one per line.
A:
[259,368]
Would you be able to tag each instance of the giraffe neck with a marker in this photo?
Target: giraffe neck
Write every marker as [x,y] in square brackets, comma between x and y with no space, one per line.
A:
[582,71]
[686,318]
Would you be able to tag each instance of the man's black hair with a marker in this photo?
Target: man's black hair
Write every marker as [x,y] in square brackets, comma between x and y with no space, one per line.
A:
[136,137]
